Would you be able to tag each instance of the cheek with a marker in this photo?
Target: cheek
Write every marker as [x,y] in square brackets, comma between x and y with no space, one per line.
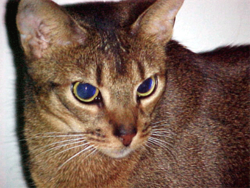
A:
[78,116]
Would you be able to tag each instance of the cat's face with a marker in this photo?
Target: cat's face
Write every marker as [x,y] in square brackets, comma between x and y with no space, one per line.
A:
[107,96]
[101,85]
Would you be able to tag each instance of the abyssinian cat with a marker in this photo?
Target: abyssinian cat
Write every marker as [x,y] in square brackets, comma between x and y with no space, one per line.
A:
[112,101]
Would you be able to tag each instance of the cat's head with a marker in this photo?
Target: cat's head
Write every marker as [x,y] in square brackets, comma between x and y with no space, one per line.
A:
[101,80]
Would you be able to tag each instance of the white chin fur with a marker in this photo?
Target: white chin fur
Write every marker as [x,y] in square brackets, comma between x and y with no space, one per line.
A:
[118,153]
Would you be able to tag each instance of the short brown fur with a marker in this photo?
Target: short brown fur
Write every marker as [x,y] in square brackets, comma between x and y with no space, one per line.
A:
[191,131]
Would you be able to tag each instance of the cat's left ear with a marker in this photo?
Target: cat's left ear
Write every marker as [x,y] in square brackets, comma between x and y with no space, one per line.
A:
[157,21]
[44,24]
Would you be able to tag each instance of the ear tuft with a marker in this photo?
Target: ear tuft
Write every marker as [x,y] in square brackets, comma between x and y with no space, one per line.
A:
[42,24]
[158,20]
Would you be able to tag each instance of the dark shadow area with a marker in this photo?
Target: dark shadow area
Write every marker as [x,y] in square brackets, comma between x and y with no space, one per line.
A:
[18,58]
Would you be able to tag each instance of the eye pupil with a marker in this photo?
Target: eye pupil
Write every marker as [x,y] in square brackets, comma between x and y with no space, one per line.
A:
[85,92]
[146,88]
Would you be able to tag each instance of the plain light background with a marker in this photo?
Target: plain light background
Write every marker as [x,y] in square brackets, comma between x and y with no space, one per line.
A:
[201,25]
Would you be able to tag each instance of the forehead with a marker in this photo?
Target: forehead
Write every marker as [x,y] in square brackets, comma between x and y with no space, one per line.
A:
[118,56]
[111,58]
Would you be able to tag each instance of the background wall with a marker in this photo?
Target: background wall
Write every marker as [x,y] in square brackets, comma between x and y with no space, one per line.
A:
[200,25]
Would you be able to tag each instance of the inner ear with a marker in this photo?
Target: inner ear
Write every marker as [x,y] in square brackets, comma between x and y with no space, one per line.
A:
[42,24]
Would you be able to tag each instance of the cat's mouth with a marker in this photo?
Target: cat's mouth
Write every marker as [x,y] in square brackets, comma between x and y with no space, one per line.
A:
[118,153]
[118,150]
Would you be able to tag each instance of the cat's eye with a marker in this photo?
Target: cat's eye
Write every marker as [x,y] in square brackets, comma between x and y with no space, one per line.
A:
[85,92]
[147,87]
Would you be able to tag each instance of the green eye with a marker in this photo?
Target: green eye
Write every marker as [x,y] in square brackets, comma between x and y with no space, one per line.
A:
[85,92]
[147,87]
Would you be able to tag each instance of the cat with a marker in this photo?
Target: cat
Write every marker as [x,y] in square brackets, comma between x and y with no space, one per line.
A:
[112,101]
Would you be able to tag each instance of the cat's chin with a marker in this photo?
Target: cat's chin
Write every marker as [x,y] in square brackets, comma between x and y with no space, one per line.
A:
[121,153]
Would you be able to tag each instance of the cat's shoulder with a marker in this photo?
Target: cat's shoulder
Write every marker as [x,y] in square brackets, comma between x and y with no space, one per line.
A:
[229,54]
[224,63]
[228,63]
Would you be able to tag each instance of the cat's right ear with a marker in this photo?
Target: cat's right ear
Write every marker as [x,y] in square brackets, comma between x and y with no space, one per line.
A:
[43,24]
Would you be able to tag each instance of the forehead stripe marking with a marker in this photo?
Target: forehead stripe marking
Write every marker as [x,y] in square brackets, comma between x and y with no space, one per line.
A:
[99,74]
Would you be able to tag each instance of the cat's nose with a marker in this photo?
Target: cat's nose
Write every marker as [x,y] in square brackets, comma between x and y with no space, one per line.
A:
[126,134]
[127,139]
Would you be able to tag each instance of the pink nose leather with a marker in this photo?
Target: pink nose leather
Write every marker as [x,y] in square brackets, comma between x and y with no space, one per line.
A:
[127,139]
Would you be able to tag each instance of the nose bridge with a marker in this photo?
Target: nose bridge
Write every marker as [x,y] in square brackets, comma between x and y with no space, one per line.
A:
[123,107]
[123,99]
[124,115]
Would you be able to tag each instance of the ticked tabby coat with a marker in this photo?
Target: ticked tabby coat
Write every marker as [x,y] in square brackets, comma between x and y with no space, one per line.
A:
[112,101]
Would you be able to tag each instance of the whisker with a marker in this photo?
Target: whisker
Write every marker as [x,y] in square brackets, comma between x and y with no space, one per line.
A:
[162,132]
[74,146]
[162,135]
[60,146]
[158,122]
[91,153]
[75,155]
[146,145]
[162,144]
[62,141]
[160,128]
[163,129]
[56,135]
[75,141]
[52,135]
